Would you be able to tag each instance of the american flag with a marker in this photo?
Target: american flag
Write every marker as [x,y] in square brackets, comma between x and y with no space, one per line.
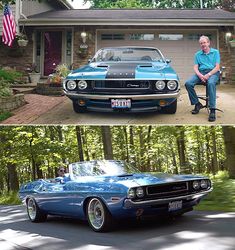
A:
[9,26]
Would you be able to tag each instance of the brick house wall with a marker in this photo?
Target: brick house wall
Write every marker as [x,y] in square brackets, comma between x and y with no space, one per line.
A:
[21,58]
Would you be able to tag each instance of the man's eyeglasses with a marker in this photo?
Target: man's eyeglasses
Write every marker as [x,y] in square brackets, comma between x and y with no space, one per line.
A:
[61,170]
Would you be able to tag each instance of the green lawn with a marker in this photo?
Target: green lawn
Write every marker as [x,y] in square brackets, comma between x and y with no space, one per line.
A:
[222,198]
[5,115]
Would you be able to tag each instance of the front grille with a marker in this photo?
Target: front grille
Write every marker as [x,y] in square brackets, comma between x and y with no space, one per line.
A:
[121,84]
[178,188]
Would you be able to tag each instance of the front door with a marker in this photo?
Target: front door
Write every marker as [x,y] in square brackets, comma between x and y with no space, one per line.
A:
[52,51]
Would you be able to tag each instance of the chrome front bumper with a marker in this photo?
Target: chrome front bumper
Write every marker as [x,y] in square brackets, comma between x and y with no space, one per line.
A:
[133,97]
[128,203]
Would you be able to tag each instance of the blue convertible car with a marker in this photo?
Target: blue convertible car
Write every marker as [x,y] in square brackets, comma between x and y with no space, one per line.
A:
[130,79]
[102,191]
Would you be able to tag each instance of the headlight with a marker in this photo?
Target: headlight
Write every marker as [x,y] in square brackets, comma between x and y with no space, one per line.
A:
[171,85]
[131,193]
[82,84]
[139,192]
[204,184]
[71,85]
[160,85]
[196,185]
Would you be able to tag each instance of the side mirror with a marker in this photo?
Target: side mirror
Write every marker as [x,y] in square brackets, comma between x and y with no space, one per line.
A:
[168,60]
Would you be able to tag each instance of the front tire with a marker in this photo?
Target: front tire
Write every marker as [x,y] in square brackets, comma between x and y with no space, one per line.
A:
[34,212]
[98,216]
[79,109]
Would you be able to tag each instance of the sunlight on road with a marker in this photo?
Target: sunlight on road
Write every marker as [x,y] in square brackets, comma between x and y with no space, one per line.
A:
[21,238]
[220,216]
[191,235]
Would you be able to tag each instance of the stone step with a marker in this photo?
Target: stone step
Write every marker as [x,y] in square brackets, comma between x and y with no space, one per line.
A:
[25,85]
[24,90]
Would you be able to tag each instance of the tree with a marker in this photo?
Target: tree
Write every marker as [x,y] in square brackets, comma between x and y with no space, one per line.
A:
[107,142]
[229,138]
[120,3]
[183,4]
[79,141]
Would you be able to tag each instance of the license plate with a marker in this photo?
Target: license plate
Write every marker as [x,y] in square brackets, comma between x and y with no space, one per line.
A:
[121,103]
[174,205]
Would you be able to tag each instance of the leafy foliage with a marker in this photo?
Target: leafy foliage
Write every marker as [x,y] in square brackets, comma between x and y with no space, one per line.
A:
[226,4]
[9,75]
[4,115]
[223,196]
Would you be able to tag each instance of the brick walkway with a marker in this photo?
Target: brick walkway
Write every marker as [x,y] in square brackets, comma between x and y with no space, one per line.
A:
[36,106]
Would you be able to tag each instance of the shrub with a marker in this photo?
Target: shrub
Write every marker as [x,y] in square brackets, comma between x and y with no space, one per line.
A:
[5,88]
[10,75]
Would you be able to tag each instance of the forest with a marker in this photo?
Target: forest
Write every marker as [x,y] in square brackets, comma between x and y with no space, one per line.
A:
[32,152]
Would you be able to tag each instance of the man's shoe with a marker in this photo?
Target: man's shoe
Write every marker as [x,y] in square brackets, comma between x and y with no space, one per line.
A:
[212,117]
[197,108]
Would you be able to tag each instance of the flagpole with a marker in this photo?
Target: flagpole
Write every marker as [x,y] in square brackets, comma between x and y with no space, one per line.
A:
[17,15]
[201,4]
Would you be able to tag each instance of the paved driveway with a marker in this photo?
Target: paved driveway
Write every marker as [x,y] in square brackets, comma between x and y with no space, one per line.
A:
[197,230]
[60,112]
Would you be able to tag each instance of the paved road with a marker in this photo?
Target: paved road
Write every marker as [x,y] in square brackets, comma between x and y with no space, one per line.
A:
[195,230]
[63,113]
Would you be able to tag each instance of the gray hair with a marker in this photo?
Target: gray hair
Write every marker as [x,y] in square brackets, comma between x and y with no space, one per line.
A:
[204,37]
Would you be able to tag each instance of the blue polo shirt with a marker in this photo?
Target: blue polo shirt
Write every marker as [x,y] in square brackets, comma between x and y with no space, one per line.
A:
[207,62]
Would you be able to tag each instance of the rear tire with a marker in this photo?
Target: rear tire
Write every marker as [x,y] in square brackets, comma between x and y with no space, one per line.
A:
[34,212]
[171,109]
[98,216]
[79,109]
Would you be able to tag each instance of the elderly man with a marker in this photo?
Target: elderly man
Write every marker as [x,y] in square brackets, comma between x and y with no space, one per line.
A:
[207,70]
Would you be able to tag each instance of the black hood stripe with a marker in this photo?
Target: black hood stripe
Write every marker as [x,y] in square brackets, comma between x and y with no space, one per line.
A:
[122,71]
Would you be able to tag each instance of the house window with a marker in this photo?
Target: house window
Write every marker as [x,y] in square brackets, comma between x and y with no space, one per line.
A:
[142,37]
[171,37]
[112,36]
[195,37]
[68,47]
[38,50]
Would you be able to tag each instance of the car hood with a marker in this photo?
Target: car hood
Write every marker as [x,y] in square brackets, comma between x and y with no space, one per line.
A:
[122,70]
[135,180]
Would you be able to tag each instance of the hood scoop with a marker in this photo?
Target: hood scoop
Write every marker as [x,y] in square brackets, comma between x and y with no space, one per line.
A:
[125,175]
[102,66]
[146,65]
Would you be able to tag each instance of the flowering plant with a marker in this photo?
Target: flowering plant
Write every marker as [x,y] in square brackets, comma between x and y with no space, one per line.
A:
[61,71]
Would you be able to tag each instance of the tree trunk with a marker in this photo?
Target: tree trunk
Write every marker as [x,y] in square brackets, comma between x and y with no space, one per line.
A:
[126,142]
[208,153]
[229,139]
[107,142]
[181,150]
[84,143]
[13,180]
[214,163]
[79,143]
[148,148]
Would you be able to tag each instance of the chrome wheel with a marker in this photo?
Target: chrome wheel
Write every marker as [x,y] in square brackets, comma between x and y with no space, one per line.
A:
[96,213]
[32,209]
[34,212]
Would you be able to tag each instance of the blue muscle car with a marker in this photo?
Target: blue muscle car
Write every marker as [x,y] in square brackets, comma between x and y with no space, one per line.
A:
[102,191]
[130,79]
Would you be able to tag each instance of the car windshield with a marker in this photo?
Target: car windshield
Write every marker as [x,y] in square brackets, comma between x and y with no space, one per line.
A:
[128,54]
[101,167]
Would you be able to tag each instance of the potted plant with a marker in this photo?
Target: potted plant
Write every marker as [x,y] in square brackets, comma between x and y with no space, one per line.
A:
[82,52]
[232,42]
[34,75]
[61,71]
[22,40]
